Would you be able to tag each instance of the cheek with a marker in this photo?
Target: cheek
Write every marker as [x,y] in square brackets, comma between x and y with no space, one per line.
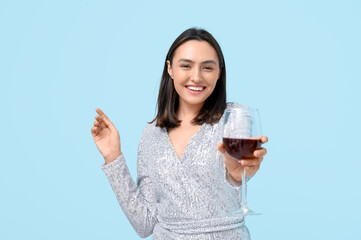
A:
[178,86]
[179,79]
[180,75]
[211,86]
[212,82]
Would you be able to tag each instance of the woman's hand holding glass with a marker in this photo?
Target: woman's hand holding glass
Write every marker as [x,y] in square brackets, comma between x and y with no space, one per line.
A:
[242,140]
[106,137]
[235,168]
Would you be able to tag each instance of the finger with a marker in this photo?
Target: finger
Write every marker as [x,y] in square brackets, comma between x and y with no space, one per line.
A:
[252,169]
[94,131]
[251,162]
[101,122]
[264,139]
[221,147]
[260,152]
[105,119]
[96,124]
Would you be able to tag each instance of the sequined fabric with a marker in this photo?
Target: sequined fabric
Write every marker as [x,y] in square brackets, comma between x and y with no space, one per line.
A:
[189,198]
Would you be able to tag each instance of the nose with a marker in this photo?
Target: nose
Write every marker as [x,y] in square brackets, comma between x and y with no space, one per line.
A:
[196,75]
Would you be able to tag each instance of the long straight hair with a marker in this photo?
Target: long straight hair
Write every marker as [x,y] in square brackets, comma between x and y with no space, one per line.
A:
[168,98]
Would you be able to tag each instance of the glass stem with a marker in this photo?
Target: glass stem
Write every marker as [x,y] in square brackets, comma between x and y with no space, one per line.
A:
[244,190]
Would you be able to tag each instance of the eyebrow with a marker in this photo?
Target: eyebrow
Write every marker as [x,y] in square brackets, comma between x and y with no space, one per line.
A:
[190,61]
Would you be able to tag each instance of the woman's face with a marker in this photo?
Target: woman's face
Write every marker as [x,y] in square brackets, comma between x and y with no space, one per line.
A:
[195,71]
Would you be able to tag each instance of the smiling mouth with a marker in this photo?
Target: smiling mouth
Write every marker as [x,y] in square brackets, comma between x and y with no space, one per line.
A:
[193,88]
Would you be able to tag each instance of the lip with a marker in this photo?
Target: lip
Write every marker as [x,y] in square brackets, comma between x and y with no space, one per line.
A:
[193,91]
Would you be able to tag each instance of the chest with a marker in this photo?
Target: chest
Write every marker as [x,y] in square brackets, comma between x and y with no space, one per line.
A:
[180,137]
[199,167]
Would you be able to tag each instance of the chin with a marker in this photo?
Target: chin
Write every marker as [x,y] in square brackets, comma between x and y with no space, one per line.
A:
[195,102]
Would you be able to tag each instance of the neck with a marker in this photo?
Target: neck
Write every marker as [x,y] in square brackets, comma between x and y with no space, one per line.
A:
[187,112]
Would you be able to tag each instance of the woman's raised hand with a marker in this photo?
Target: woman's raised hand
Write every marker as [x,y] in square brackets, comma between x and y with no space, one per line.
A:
[252,165]
[106,137]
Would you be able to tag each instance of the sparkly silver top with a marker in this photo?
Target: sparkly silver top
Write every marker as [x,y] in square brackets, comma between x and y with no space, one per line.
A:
[187,198]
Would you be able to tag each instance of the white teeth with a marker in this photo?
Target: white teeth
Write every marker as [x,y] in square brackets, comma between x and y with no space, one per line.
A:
[195,88]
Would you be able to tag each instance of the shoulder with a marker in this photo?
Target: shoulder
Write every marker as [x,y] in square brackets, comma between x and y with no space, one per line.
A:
[148,140]
[151,131]
[232,105]
[150,127]
[229,105]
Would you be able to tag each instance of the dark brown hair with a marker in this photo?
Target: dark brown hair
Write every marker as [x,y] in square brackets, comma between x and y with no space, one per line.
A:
[168,99]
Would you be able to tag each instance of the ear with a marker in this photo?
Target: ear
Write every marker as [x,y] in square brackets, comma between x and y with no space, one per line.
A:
[170,71]
[219,74]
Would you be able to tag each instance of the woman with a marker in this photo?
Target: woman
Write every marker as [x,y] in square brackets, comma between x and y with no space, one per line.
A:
[185,181]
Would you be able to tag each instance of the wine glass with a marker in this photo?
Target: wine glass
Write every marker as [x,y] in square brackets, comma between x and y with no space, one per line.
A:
[242,136]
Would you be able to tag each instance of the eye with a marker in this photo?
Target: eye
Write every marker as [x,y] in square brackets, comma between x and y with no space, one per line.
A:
[185,66]
[208,68]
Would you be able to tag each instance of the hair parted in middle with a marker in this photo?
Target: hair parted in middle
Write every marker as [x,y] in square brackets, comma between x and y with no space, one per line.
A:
[168,99]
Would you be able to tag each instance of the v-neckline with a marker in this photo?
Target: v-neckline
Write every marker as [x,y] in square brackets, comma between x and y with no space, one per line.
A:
[174,152]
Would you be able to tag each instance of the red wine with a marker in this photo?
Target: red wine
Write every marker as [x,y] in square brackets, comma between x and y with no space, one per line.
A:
[240,148]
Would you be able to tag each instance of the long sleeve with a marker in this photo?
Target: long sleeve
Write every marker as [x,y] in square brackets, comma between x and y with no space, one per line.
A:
[232,182]
[137,200]
[179,198]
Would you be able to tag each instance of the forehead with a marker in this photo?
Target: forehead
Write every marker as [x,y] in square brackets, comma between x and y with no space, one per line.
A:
[196,51]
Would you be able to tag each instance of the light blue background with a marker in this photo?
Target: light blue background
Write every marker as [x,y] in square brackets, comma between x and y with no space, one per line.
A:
[297,61]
